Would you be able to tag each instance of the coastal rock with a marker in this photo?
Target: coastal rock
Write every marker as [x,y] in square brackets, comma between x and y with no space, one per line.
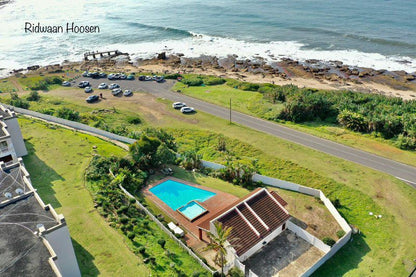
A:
[161,56]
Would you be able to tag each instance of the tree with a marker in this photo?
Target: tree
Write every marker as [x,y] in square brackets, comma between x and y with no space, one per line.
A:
[143,151]
[219,243]
[191,160]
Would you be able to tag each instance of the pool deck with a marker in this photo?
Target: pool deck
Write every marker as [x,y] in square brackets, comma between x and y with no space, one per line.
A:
[213,205]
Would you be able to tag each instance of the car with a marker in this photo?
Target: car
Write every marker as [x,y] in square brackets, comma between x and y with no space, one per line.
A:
[110,76]
[130,77]
[85,74]
[113,86]
[92,98]
[148,78]
[187,110]
[102,86]
[142,78]
[102,75]
[116,91]
[88,89]
[117,76]
[66,84]
[159,79]
[178,105]
[122,77]
[127,92]
[95,75]
[83,84]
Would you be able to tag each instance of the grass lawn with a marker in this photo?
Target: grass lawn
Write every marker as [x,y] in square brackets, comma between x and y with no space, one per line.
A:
[57,172]
[56,163]
[252,103]
[384,248]
[6,86]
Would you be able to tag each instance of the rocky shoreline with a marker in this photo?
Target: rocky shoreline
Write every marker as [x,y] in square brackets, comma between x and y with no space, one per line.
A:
[333,73]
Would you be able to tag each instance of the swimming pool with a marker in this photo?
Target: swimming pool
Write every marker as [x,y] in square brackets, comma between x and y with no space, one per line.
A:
[176,194]
[192,210]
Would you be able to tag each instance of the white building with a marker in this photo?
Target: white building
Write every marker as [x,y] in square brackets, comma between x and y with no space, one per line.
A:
[34,239]
[255,221]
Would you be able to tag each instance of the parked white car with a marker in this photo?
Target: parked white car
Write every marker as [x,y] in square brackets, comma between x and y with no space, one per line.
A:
[178,105]
[102,86]
[187,110]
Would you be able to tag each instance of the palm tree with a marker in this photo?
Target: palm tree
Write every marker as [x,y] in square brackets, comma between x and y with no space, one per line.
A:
[218,244]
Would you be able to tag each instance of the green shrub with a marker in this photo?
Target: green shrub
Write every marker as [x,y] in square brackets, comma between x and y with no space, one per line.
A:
[131,235]
[134,120]
[162,243]
[406,142]
[213,80]
[172,76]
[47,111]
[328,241]
[18,102]
[235,272]
[33,96]
[340,233]
[68,114]
[192,81]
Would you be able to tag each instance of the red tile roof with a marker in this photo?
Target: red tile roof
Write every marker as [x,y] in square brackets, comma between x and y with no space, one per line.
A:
[278,198]
[253,211]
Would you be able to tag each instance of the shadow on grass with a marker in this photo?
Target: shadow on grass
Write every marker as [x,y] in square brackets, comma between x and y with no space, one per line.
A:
[346,259]
[85,260]
[42,176]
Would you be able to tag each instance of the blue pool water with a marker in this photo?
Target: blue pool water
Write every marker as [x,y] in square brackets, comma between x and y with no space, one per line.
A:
[176,194]
[192,210]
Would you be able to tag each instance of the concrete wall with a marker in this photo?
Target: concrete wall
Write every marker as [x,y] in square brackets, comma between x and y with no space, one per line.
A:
[308,237]
[16,135]
[260,244]
[61,243]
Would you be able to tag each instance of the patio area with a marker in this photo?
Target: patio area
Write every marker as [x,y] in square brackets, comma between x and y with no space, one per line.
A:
[213,205]
[287,255]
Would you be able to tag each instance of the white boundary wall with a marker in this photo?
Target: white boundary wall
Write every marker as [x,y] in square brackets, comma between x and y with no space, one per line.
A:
[308,237]
[309,191]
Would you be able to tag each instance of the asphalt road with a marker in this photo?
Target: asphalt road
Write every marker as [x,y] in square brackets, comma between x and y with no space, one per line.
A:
[401,171]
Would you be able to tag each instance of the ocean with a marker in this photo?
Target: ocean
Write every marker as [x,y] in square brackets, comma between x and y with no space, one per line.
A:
[374,33]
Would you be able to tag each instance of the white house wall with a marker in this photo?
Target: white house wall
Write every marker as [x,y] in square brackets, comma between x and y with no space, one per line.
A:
[16,136]
[259,245]
[60,241]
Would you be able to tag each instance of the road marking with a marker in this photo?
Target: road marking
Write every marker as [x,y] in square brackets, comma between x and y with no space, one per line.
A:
[404,180]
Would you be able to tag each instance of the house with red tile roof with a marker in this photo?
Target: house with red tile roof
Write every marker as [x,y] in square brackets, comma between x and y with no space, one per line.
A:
[255,219]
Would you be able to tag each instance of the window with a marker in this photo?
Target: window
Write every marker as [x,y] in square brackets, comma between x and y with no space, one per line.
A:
[4,146]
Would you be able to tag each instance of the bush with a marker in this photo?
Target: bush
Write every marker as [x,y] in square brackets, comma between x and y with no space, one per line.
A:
[33,96]
[406,142]
[212,80]
[328,241]
[68,114]
[340,233]
[193,81]
[142,250]
[162,243]
[172,76]
[47,111]
[18,102]
[336,203]
[235,272]
[131,235]
[134,120]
